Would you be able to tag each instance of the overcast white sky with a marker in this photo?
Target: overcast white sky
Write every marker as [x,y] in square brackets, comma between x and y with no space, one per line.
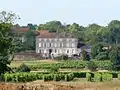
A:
[83,12]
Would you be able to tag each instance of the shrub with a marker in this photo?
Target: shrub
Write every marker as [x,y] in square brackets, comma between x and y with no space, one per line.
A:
[88,77]
[54,69]
[62,57]
[92,66]
[23,68]
[48,77]
[106,76]
[57,77]
[97,77]
[79,74]
[119,76]
[69,77]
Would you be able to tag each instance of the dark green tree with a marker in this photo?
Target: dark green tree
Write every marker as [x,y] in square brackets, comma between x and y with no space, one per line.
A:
[85,56]
[29,43]
[96,49]
[6,40]
[114,56]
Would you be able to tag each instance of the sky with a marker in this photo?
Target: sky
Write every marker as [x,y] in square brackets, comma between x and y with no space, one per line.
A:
[83,12]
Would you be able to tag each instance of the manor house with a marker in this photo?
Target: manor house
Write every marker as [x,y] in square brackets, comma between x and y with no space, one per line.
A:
[50,44]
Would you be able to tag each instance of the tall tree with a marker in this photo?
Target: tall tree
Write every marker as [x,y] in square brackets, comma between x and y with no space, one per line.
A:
[6,40]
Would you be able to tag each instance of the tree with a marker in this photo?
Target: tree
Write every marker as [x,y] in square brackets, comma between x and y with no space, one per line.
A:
[114,56]
[6,40]
[96,49]
[114,27]
[85,56]
[29,43]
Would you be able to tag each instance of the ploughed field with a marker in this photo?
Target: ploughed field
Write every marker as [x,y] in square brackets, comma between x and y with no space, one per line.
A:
[41,85]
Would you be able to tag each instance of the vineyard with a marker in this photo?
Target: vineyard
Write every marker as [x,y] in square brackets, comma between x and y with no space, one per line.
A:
[88,76]
[104,65]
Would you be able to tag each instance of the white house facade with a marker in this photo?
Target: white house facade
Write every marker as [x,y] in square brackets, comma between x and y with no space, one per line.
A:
[48,44]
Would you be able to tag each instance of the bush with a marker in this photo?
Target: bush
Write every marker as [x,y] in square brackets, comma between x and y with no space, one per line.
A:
[23,68]
[69,77]
[54,69]
[119,76]
[48,77]
[92,66]
[88,77]
[62,57]
[97,77]
[106,76]
[79,74]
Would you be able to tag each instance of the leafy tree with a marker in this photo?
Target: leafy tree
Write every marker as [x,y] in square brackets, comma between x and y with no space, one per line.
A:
[96,49]
[31,26]
[6,40]
[85,56]
[29,43]
[114,56]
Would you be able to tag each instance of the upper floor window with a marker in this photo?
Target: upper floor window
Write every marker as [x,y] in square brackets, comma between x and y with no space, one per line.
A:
[67,45]
[61,45]
[50,45]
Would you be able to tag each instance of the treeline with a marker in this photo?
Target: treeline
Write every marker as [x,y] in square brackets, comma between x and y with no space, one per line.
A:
[91,34]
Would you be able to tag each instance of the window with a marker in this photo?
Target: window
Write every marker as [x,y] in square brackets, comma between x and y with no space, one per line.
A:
[60,44]
[50,44]
[40,51]
[67,51]
[72,50]
[39,44]
[45,45]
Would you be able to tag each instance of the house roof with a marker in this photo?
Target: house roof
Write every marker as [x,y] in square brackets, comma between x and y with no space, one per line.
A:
[47,34]
[21,30]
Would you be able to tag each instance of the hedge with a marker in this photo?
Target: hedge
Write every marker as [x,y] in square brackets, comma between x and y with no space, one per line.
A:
[106,77]
[97,77]
[88,77]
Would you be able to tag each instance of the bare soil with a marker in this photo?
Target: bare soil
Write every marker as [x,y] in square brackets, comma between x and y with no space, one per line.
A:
[41,85]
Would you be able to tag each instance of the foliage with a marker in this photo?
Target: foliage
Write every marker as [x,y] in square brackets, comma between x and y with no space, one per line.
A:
[102,56]
[92,66]
[79,74]
[119,76]
[6,46]
[69,77]
[62,57]
[23,68]
[54,69]
[106,76]
[29,43]
[96,49]
[48,77]
[85,56]
[105,65]
[115,57]
[88,77]
[97,77]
